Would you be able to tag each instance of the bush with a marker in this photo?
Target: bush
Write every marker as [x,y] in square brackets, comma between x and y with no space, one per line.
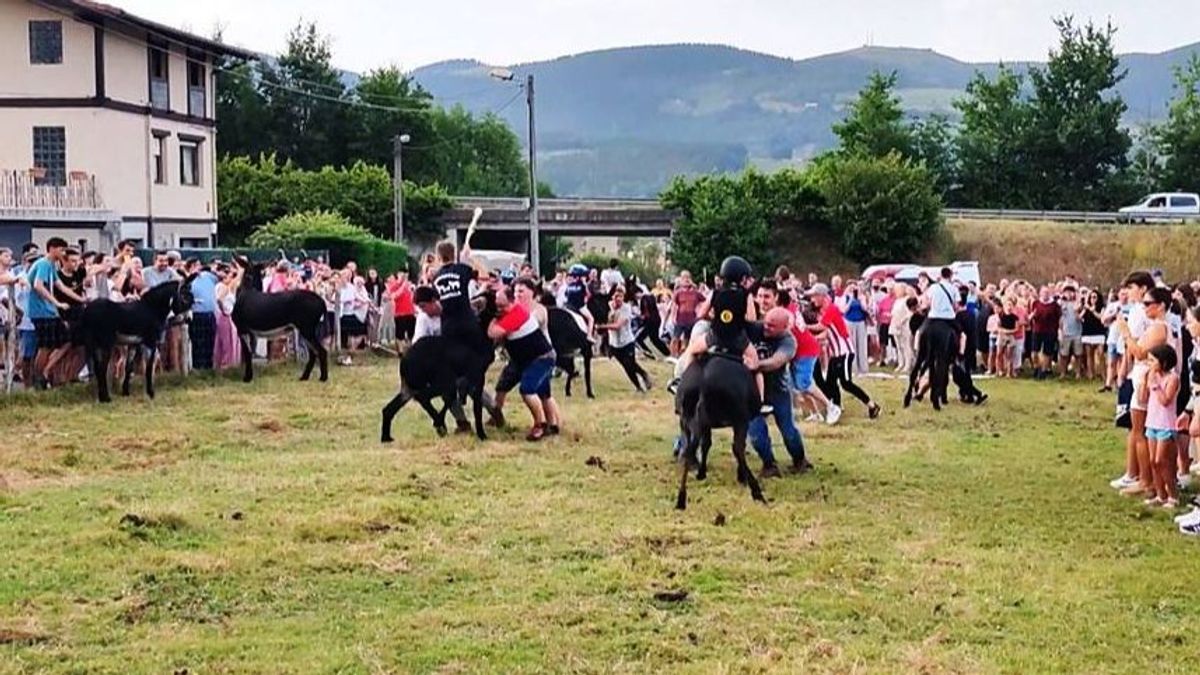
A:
[385,256]
[322,230]
[292,230]
[884,209]
[254,192]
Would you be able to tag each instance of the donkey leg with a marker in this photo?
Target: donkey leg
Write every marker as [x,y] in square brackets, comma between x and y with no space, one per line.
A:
[739,453]
[133,356]
[705,446]
[99,366]
[310,343]
[389,413]
[691,441]
[477,407]
[439,421]
[587,372]
[247,341]
[151,353]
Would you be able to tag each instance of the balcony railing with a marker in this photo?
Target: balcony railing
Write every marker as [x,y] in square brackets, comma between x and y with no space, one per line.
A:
[19,189]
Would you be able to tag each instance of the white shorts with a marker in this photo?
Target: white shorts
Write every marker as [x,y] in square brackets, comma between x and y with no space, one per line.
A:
[1093,339]
[1135,376]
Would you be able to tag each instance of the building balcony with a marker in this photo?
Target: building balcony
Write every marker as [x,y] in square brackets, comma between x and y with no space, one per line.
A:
[22,189]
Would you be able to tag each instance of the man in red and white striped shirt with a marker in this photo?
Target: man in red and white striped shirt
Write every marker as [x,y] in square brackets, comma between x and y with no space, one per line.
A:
[837,339]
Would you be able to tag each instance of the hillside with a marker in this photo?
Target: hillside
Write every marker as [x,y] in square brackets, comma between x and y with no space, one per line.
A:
[699,108]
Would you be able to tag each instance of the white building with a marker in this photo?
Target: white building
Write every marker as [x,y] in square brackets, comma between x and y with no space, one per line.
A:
[107,127]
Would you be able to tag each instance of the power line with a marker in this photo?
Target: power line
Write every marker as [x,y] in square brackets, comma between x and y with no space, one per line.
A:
[260,80]
[447,141]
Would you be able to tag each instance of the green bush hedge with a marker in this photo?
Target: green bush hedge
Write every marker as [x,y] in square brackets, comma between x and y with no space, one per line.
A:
[254,192]
[322,230]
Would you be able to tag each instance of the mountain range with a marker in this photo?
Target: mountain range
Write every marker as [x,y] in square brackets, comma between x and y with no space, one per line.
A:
[622,122]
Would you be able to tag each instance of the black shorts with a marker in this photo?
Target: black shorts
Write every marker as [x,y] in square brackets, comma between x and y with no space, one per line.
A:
[405,326]
[51,333]
[352,327]
[1046,343]
[510,377]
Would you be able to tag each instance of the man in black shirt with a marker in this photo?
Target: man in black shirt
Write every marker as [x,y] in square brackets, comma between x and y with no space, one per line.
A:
[66,361]
[453,284]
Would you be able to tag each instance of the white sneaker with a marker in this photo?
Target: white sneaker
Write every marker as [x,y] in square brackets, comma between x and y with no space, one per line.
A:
[1184,481]
[815,417]
[1123,482]
[1190,517]
[833,415]
[1196,467]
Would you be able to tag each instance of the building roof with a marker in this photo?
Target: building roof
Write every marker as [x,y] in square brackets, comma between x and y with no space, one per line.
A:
[118,19]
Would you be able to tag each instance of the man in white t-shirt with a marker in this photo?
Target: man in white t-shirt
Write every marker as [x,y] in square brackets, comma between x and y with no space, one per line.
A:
[429,313]
[612,277]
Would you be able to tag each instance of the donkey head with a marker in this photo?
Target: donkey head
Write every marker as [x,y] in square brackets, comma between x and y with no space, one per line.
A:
[183,300]
[252,274]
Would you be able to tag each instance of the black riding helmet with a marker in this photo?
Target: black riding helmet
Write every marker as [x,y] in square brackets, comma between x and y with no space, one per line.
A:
[734,269]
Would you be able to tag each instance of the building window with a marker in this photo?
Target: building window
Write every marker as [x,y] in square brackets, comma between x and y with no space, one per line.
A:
[189,162]
[193,242]
[160,79]
[45,42]
[159,149]
[197,92]
[50,155]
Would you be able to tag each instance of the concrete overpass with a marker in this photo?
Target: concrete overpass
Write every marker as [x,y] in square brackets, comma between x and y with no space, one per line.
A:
[505,220]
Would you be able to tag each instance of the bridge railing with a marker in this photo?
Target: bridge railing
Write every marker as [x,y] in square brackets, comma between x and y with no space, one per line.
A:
[558,202]
[647,204]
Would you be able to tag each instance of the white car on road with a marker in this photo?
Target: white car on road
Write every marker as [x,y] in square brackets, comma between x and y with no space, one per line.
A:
[1163,206]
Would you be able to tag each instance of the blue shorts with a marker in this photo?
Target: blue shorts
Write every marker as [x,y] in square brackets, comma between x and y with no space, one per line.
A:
[535,379]
[682,331]
[1160,434]
[802,373]
[28,343]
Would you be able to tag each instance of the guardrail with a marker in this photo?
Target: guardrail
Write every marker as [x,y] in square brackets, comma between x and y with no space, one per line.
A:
[559,202]
[601,203]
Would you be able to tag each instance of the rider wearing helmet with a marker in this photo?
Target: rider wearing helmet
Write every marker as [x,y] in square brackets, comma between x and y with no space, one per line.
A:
[730,310]
[576,294]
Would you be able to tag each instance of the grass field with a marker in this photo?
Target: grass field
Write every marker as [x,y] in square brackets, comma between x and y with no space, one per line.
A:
[228,528]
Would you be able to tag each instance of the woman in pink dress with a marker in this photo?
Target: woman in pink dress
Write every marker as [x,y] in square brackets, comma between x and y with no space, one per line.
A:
[227,350]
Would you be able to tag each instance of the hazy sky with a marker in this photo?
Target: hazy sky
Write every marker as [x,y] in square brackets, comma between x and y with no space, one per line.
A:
[368,33]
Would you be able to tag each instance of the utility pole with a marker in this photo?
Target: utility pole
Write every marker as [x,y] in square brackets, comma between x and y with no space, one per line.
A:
[535,245]
[398,186]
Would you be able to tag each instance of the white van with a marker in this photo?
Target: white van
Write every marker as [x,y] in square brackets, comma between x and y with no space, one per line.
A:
[1163,206]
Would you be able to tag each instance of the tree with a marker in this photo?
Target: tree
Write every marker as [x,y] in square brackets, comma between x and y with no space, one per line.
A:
[1178,139]
[310,122]
[718,218]
[991,143]
[241,111]
[1076,141]
[391,104]
[474,156]
[884,209]
[875,123]
[933,146]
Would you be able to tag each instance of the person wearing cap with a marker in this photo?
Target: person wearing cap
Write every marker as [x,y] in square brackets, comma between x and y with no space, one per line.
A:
[838,374]
[575,295]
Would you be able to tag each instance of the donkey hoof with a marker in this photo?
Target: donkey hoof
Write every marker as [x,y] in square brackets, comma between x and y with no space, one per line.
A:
[758,496]
[247,379]
[591,395]
[441,431]
[681,502]
[386,439]
[482,436]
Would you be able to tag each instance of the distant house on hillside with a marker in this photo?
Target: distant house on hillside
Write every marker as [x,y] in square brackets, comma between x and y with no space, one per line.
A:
[107,127]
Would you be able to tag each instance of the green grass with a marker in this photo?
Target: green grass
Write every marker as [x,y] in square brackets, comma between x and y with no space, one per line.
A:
[263,529]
